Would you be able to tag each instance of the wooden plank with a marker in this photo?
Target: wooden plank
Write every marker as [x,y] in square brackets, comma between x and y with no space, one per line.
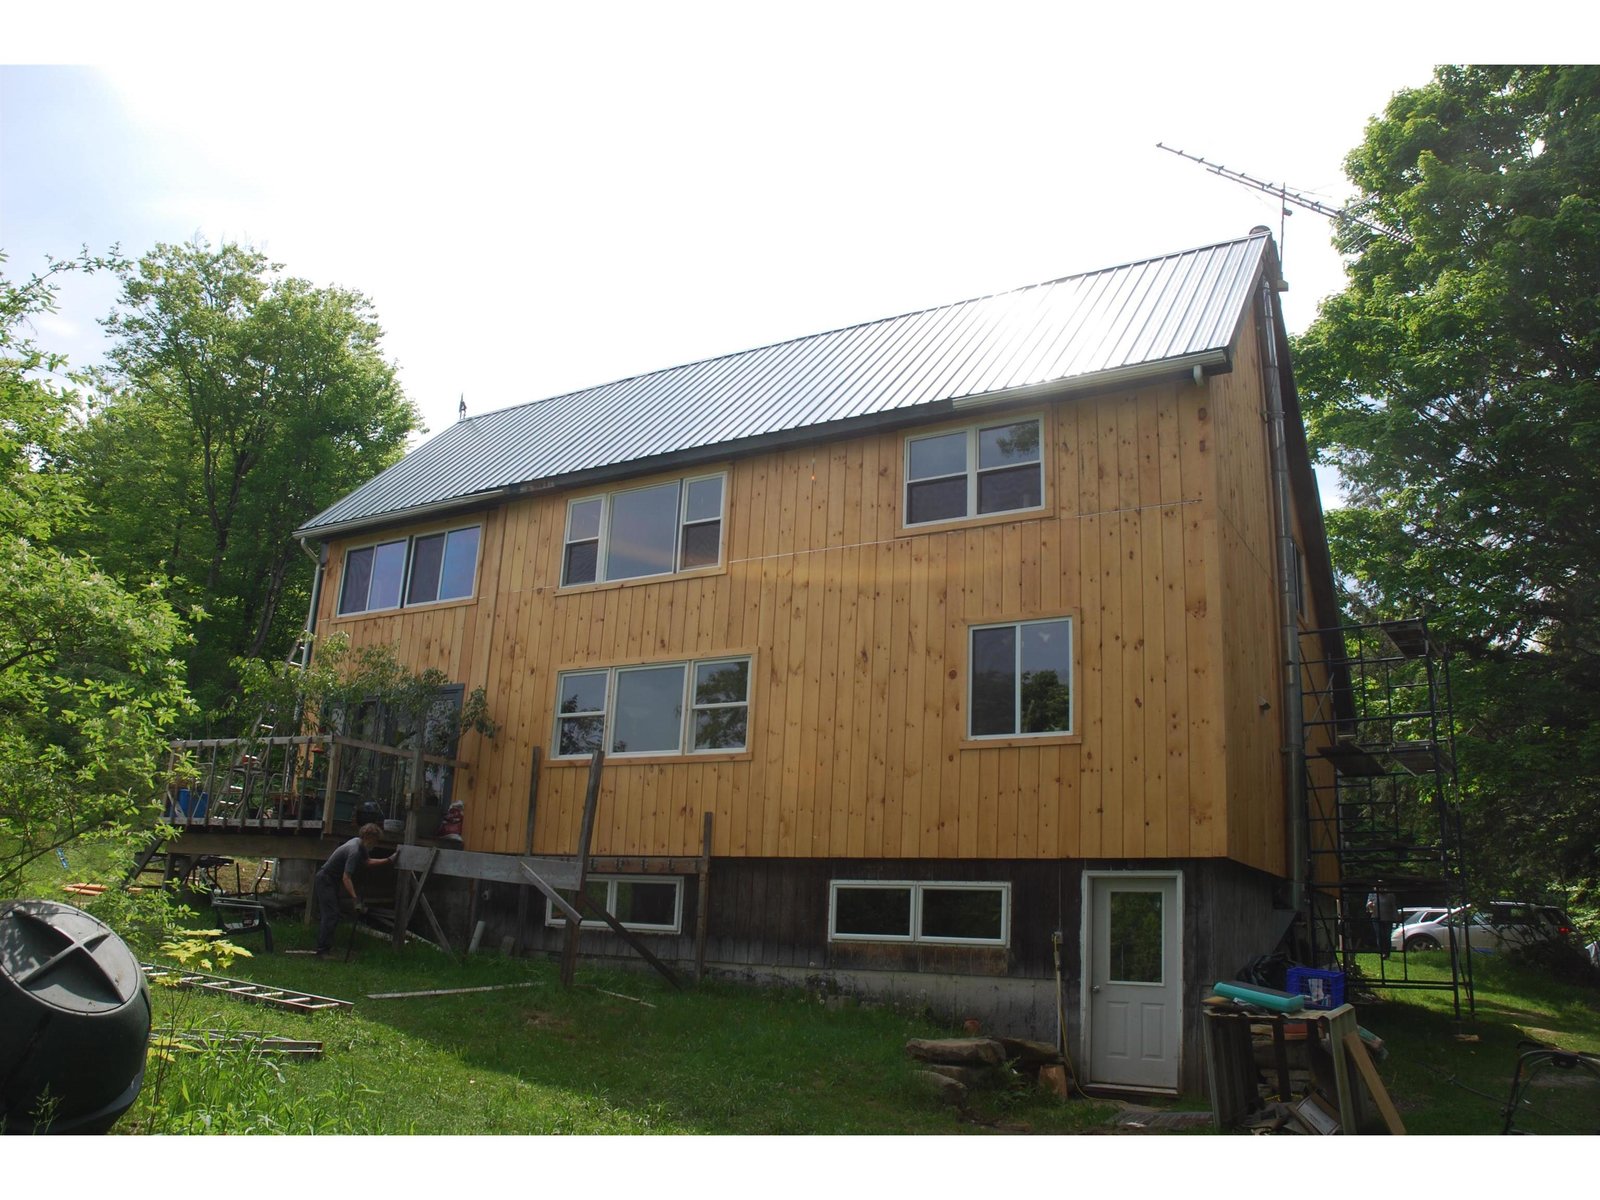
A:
[702,915]
[549,892]
[461,991]
[1357,1050]
[591,799]
[627,935]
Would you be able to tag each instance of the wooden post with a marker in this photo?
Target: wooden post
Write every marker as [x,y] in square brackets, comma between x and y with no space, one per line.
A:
[414,801]
[702,912]
[527,850]
[591,799]
[330,790]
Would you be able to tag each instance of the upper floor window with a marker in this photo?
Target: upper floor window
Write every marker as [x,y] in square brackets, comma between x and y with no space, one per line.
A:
[1021,678]
[974,471]
[426,568]
[654,530]
[657,708]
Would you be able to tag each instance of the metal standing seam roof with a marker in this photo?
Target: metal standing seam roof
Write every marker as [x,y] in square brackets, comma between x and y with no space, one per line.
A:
[1138,318]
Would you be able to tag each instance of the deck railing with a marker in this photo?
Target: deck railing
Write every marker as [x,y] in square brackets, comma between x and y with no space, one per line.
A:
[288,783]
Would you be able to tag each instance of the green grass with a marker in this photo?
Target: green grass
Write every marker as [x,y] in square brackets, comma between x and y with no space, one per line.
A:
[540,1059]
[1450,1078]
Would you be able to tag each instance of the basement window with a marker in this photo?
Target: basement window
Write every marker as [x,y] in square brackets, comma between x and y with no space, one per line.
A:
[944,913]
[648,903]
[973,472]
[654,530]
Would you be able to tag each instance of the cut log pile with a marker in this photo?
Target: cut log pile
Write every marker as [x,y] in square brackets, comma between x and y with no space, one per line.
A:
[954,1066]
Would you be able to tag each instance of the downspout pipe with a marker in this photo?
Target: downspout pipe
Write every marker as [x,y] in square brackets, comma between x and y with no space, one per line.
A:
[321,561]
[1294,750]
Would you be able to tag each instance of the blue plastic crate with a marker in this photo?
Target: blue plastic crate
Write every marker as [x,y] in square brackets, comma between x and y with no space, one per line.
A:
[1322,989]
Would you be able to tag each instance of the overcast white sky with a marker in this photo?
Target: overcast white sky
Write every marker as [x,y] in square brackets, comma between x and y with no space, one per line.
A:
[551,197]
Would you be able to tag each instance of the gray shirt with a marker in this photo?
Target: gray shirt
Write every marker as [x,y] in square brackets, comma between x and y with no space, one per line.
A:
[346,860]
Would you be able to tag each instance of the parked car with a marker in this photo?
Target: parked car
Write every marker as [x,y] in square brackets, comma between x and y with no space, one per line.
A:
[1423,928]
[1498,925]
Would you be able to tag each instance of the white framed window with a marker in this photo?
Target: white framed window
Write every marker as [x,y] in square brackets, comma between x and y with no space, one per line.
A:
[1020,682]
[972,472]
[939,912]
[696,707]
[653,530]
[425,569]
[648,903]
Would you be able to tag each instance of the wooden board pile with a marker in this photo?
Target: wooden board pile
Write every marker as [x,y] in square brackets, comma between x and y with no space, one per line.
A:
[953,1066]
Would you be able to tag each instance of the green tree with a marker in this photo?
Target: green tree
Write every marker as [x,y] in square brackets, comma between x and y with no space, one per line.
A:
[1455,383]
[89,679]
[237,404]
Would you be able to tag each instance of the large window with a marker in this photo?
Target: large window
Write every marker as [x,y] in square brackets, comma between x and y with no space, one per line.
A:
[953,913]
[698,707]
[973,472]
[427,568]
[1021,679]
[655,530]
[645,902]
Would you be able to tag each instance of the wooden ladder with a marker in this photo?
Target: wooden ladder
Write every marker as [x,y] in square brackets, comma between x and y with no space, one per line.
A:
[243,990]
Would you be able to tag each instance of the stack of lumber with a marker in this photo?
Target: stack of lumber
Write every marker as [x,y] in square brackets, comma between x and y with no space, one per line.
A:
[953,1066]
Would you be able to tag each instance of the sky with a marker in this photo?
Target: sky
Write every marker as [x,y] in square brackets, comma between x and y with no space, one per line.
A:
[547,197]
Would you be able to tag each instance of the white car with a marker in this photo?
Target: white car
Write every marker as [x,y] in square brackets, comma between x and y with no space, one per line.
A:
[1499,925]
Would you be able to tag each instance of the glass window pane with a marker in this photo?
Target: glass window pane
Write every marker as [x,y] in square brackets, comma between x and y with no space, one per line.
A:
[721,728]
[726,682]
[1135,937]
[1007,444]
[649,710]
[872,912]
[704,501]
[646,903]
[971,913]
[388,570]
[1046,677]
[994,681]
[583,519]
[460,564]
[583,692]
[702,545]
[582,557]
[942,455]
[1006,491]
[944,500]
[357,577]
[426,555]
[581,735]
[644,532]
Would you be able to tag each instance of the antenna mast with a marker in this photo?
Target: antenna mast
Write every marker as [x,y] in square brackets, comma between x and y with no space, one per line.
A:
[1286,197]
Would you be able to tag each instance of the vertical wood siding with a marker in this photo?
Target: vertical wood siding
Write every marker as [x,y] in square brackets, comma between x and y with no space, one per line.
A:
[1155,538]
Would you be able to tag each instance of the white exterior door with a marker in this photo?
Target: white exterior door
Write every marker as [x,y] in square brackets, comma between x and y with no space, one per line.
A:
[1134,982]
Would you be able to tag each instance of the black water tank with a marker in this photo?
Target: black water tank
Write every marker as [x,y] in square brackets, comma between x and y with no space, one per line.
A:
[74,1020]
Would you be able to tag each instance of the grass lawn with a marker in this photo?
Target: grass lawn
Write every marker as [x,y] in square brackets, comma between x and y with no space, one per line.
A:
[539,1059]
[1447,1078]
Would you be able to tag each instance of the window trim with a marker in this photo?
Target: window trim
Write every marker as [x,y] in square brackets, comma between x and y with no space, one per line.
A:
[688,708]
[972,472]
[1072,679]
[917,887]
[555,919]
[603,540]
[409,540]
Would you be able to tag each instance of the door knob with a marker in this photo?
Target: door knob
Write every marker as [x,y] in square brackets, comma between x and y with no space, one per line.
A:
[1095,988]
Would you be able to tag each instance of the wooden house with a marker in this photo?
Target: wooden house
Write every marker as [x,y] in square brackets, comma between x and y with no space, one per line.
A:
[974,631]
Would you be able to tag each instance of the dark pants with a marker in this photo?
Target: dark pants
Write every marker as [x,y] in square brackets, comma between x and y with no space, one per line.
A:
[1382,931]
[327,911]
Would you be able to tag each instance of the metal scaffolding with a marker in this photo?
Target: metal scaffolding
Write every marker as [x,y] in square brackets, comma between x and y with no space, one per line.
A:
[1382,797]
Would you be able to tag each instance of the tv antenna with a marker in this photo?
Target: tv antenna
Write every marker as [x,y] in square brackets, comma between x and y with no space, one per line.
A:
[1286,196]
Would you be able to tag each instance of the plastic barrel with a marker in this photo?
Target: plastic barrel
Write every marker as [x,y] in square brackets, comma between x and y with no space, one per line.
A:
[74,1020]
